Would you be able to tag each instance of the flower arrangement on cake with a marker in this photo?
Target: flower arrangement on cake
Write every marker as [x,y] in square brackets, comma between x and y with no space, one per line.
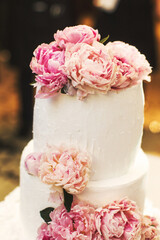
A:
[117,220]
[77,62]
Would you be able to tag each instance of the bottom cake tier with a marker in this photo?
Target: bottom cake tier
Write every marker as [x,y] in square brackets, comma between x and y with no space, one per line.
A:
[34,195]
[10,220]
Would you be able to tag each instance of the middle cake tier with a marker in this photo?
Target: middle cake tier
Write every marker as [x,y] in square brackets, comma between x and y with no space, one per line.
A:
[109,127]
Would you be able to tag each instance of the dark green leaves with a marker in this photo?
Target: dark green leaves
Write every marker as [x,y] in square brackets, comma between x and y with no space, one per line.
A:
[104,39]
[68,199]
[45,214]
[63,90]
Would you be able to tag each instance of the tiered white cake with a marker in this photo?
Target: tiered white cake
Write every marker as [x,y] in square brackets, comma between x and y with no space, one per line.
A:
[106,122]
[107,126]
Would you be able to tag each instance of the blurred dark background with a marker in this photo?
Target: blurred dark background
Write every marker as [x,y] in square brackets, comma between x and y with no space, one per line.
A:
[25,24]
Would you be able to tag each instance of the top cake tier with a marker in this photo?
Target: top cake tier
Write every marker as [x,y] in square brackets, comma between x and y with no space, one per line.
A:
[108,127]
[89,96]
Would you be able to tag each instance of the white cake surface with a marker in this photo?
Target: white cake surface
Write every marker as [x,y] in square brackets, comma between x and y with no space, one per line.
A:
[35,194]
[109,127]
[131,185]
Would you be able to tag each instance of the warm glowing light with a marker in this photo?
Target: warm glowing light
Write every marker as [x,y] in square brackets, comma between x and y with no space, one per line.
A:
[154,127]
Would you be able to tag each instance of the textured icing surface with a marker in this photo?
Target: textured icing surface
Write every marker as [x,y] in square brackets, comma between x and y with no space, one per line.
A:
[34,193]
[131,185]
[109,127]
[31,201]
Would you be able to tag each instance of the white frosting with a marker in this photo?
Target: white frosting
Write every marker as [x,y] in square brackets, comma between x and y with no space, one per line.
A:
[131,185]
[109,127]
[35,194]
[33,198]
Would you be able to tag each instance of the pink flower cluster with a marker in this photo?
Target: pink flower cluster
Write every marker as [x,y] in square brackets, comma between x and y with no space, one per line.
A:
[78,61]
[77,224]
[150,229]
[66,168]
[117,220]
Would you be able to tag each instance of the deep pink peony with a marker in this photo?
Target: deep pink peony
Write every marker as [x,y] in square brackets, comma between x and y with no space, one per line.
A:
[76,34]
[65,168]
[132,66]
[119,220]
[90,68]
[78,224]
[32,163]
[150,229]
[47,63]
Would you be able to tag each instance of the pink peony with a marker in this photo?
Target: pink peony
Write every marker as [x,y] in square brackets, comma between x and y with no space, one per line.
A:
[90,68]
[132,66]
[65,168]
[83,217]
[47,63]
[43,233]
[119,220]
[60,227]
[32,163]
[150,229]
[78,224]
[76,34]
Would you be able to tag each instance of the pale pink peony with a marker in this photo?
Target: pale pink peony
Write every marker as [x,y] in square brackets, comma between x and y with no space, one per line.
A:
[150,229]
[47,64]
[65,168]
[132,66]
[76,34]
[56,196]
[90,68]
[119,220]
[32,163]
[78,224]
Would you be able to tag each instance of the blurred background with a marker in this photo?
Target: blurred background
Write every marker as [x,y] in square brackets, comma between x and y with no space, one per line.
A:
[26,23]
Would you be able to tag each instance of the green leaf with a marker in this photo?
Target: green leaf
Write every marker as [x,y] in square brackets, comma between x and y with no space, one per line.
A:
[45,214]
[63,90]
[32,84]
[68,199]
[104,39]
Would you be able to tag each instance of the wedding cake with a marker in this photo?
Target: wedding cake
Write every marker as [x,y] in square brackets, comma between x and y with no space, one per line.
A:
[83,176]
